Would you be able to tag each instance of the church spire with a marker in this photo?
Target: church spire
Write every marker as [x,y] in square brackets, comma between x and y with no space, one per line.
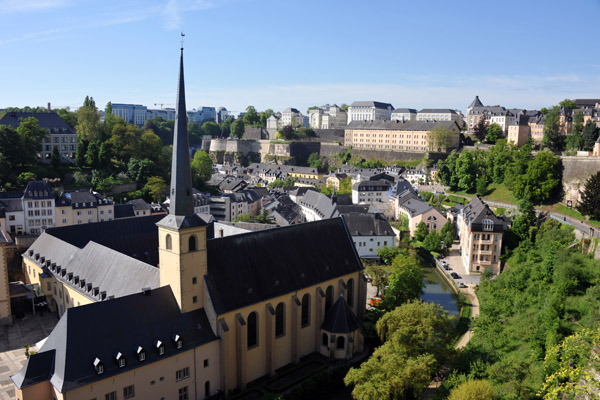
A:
[181,192]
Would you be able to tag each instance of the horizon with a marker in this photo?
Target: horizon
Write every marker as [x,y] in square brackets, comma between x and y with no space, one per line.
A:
[271,55]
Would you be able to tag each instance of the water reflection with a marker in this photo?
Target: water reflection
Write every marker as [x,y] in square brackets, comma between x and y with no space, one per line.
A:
[438,291]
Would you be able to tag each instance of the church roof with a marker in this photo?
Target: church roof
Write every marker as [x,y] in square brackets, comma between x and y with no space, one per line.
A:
[340,318]
[101,330]
[253,267]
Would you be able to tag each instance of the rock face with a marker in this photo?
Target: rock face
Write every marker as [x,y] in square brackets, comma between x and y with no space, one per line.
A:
[576,172]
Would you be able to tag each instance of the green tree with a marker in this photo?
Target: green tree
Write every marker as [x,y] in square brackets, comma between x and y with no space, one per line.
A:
[105,154]
[140,170]
[439,138]
[472,390]
[91,155]
[578,123]
[157,187]
[481,185]
[287,132]
[264,217]
[387,253]
[405,281]
[211,129]
[421,231]
[493,133]
[447,234]
[590,135]
[11,149]
[55,161]
[433,242]
[125,141]
[88,121]
[521,157]
[500,156]
[345,186]
[69,117]
[25,177]
[81,179]
[31,135]
[568,103]
[237,129]
[466,171]
[553,137]
[82,146]
[590,197]
[201,167]
[251,117]
[149,146]
[573,142]
[246,217]
[542,181]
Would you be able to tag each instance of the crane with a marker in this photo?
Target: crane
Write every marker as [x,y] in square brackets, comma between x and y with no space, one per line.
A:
[163,104]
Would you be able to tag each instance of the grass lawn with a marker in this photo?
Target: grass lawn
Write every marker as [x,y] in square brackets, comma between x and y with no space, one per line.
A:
[570,212]
[500,193]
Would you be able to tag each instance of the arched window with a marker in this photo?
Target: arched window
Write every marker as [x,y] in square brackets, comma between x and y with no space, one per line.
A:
[350,286]
[340,342]
[169,244]
[192,243]
[280,320]
[305,310]
[324,340]
[252,329]
[328,298]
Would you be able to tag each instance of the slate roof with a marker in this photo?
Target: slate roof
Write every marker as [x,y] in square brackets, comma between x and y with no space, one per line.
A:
[319,203]
[340,318]
[81,199]
[50,121]
[128,236]
[100,330]
[402,125]
[124,211]
[476,103]
[139,204]
[375,104]
[437,110]
[401,186]
[475,211]
[38,190]
[261,267]
[367,225]
[413,204]
[291,110]
[369,186]
[404,111]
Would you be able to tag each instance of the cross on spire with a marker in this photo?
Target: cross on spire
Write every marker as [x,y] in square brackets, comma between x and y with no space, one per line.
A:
[182,36]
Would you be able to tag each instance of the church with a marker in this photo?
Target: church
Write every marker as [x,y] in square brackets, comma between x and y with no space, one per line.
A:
[154,307]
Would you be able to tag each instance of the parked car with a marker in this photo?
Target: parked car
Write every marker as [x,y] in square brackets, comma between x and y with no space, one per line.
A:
[462,285]
[455,275]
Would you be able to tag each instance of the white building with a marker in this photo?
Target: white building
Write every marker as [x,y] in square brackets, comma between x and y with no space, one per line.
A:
[291,116]
[373,192]
[38,207]
[439,114]
[404,114]
[370,232]
[369,111]
[328,117]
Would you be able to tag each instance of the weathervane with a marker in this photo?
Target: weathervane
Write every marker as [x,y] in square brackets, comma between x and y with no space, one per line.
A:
[182,36]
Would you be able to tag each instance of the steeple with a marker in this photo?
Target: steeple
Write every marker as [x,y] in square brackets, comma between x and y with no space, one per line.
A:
[181,207]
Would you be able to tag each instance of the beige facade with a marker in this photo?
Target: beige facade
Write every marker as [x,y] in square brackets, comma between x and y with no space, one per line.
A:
[69,215]
[481,250]
[432,218]
[5,312]
[518,134]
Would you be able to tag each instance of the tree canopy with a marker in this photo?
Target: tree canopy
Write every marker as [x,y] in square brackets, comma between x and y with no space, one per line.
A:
[590,197]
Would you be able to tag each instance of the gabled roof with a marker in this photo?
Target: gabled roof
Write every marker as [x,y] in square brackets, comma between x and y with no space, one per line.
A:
[320,203]
[363,224]
[38,190]
[100,330]
[253,267]
[124,211]
[51,121]
[413,204]
[476,211]
[340,318]
[81,199]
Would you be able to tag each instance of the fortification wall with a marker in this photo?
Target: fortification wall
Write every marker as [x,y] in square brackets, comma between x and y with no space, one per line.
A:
[576,172]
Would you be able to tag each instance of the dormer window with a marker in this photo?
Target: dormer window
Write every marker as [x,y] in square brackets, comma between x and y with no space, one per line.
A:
[120,359]
[160,347]
[488,225]
[178,341]
[141,353]
[98,366]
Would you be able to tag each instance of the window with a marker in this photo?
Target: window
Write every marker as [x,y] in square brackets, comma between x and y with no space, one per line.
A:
[183,393]
[328,298]
[206,363]
[182,374]
[141,354]
[305,310]
[128,392]
[111,396]
[195,299]
[192,243]
[340,342]
[169,242]
[48,286]
[324,340]
[488,225]
[350,286]
[194,280]
[252,330]
[99,366]
[280,320]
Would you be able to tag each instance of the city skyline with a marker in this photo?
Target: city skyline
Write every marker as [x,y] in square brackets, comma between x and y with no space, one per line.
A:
[273,55]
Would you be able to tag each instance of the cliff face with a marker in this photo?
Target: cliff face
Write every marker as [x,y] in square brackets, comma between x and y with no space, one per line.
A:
[576,172]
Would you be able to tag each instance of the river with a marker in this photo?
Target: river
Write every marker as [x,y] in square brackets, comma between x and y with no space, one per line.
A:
[437,290]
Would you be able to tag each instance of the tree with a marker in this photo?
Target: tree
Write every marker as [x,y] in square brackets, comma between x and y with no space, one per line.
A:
[211,129]
[578,123]
[447,234]
[125,141]
[542,181]
[472,390]
[251,117]
[149,146]
[590,197]
[201,167]
[140,170]
[31,135]
[568,103]
[55,161]
[88,120]
[157,187]
[481,185]
[287,132]
[264,217]
[11,150]
[105,154]
[69,117]
[590,135]
[82,146]
[237,129]
[405,281]
[25,177]
[91,155]
[415,336]
[421,231]
[480,129]
[433,242]
[345,186]
[439,138]
[573,142]
[553,137]
[493,133]
[81,179]
[466,171]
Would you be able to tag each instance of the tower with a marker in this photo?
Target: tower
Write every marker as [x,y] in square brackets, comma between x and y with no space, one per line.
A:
[182,234]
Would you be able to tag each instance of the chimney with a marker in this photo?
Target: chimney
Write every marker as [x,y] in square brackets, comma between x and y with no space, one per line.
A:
[49,107]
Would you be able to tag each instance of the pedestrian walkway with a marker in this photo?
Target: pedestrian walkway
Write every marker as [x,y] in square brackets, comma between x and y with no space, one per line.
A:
[28,330]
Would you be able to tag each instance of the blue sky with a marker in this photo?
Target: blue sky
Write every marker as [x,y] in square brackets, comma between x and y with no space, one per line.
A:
[277,54]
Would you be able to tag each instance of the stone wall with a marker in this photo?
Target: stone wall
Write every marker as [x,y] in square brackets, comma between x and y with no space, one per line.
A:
[576,172]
